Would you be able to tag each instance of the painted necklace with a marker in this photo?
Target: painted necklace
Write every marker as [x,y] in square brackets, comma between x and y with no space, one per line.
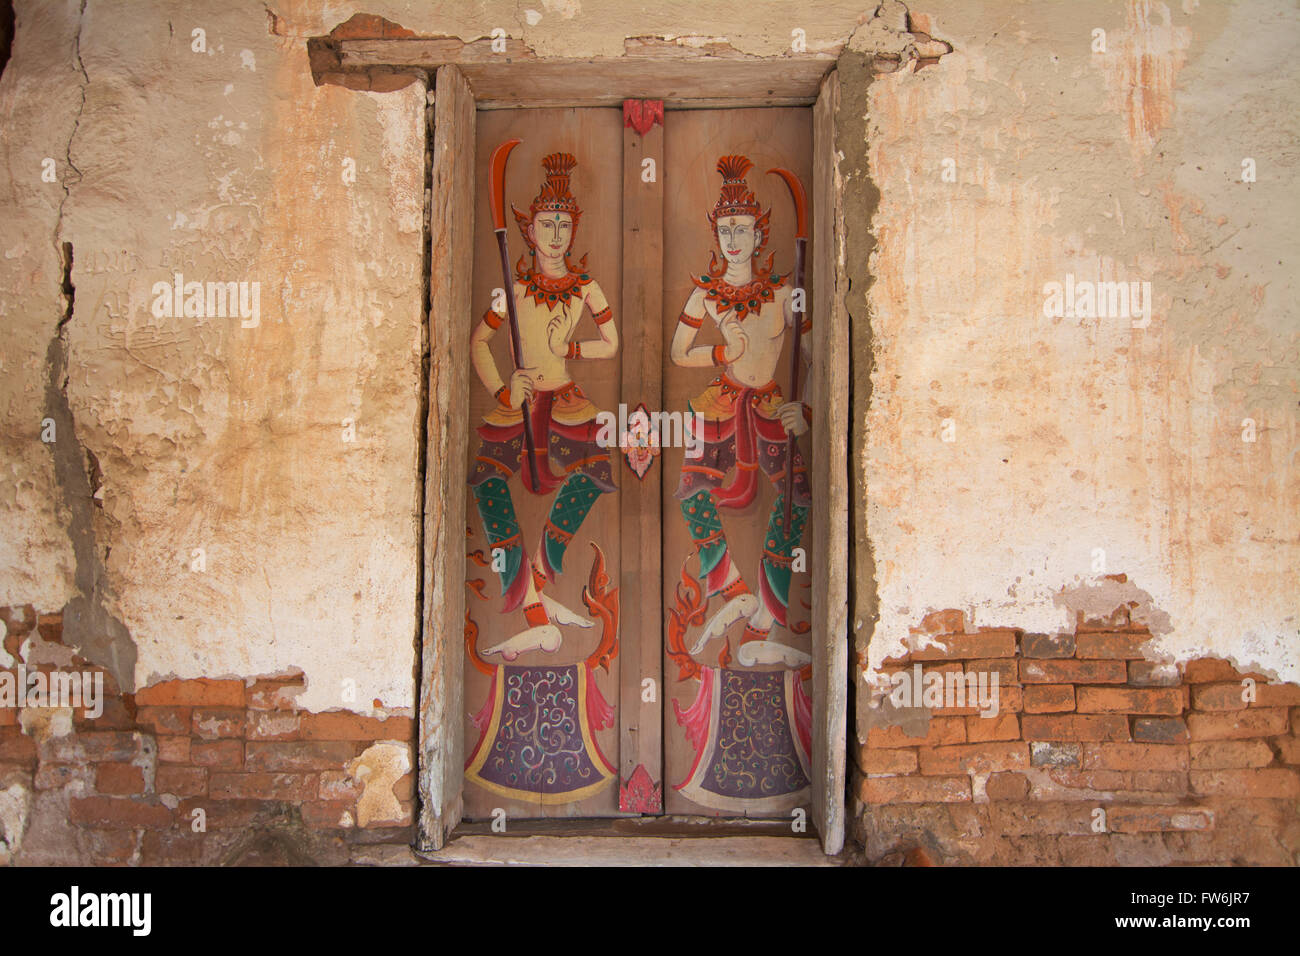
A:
[549,292]
[744,298]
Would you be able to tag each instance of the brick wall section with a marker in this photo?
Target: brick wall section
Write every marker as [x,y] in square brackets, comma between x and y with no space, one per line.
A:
[272,780]
[1185,769]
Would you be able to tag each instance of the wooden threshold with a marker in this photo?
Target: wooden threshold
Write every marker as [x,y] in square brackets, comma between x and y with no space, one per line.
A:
[672,841]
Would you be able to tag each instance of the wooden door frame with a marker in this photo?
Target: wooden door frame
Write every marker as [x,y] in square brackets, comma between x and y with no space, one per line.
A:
[467,77]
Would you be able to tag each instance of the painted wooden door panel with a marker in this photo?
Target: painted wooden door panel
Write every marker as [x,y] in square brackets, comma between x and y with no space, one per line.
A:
[636,636]
[542,634]
[737,716]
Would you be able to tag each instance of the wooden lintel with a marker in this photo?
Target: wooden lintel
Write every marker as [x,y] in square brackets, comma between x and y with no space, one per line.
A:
[683,77]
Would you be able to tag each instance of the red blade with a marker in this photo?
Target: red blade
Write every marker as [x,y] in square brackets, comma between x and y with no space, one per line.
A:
[800,200]
[497,182]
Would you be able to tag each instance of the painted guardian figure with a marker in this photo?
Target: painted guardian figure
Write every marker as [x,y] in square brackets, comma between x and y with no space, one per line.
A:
[747,420]
[541,397]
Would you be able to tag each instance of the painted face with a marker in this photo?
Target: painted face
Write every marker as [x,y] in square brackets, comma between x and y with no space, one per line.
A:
[552,232]
[736,237]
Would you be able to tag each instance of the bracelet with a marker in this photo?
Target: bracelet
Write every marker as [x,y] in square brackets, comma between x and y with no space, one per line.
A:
[503,395]
[690,320]
[718,352]
[575,350]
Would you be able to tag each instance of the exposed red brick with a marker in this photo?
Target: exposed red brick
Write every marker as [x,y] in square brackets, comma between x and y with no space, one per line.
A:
[991,643]
[1160,730]
[1207,669]
[342,725]
[56,776]
[1230,754]
[336,785]
[50,627]
[939,731]
[202,692]
[974,758]
[872,761]
[217,723]
[1288,749]
[180,846]
[1153,674]
[1159,781]
[327,815]
[1047,645]
[220,814]
[1163,701]
[1276,783]
[1007,669]
[1106,780]
[108,847]
[1049,698]
[1218,697]
[275,693]
[93,746]
[16,747]
[181,781]
[218,754]
[1036,818]
[1277,695]
[119,812]
[1073,672]
[1064,753]
[369,26]
[1138,756]
[8,716]
[1002,727]
[949,621]
[914,789]
[1074,727]
[119,778]
[404,788]
[1255,722]
[174,749]
[165,720]
[273,725]
[1146,819]
[1006,786]
[299,755]
[1009,701]
[291,787]
[1124,645]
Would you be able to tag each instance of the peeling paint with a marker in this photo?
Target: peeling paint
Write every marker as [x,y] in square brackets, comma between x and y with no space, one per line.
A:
[377,769]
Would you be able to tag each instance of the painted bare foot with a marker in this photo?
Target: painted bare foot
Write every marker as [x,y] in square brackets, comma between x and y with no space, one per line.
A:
[761,618]
[741,606]
[770,652]
[544,637]
[560,614]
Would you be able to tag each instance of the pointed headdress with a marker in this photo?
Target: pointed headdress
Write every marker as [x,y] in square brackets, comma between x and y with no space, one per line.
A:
[736,199]
[554,195]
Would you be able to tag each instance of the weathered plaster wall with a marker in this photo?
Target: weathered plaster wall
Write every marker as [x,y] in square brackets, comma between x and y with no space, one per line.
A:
[1073,434]
[198,432]
[1070,435]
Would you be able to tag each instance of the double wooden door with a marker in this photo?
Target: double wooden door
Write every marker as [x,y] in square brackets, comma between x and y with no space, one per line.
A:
[638,605]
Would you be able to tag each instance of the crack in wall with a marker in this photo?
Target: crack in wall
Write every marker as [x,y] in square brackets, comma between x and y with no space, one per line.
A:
[99,636]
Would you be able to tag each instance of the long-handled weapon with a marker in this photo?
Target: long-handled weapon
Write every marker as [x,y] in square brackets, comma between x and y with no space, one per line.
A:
[800,250]
[497,197]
